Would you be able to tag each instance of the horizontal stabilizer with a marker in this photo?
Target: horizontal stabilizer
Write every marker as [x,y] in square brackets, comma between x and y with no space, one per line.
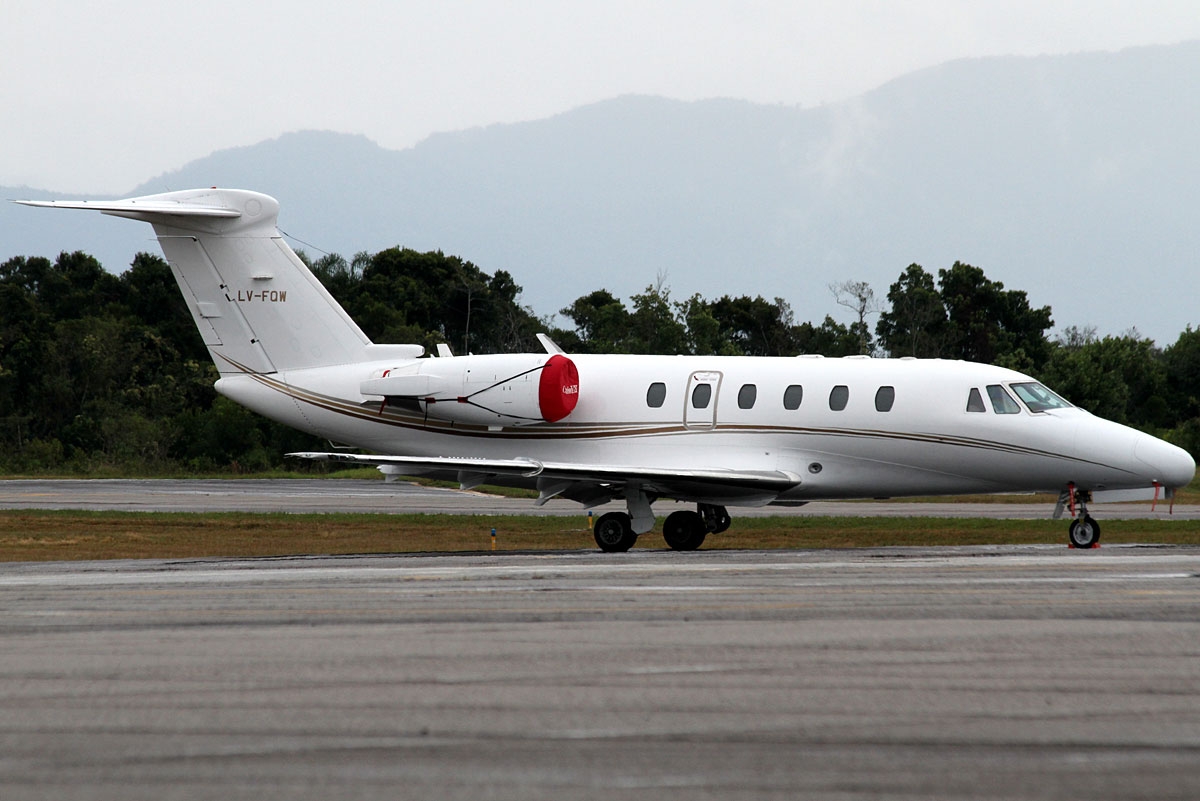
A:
[139,208]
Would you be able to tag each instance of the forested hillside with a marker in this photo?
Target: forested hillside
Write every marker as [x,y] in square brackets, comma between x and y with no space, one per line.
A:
[102,373]
[1074,178]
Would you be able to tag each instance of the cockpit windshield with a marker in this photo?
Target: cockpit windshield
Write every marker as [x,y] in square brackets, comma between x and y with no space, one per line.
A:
[1037,397]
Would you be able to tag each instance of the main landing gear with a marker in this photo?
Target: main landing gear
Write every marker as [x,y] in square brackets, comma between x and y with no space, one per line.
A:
[1084,531]
[683,530]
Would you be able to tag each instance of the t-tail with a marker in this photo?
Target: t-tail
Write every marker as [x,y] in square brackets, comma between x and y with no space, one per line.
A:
[257,306]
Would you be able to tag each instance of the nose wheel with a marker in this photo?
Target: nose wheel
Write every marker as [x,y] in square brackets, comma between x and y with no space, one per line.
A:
[1084,532]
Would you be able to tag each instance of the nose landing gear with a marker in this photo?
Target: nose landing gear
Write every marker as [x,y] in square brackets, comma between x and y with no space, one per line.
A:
[1084,531]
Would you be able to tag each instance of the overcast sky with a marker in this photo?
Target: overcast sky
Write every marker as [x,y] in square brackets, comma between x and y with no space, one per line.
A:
[99,97]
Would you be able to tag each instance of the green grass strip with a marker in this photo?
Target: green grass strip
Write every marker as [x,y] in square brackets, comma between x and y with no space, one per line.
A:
[77,535]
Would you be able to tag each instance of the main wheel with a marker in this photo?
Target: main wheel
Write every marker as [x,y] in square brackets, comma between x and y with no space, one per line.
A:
[613,532]
[684,530]
[1084,532]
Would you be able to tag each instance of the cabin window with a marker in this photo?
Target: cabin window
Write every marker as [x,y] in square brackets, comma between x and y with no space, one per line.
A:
[1002,402]
[701,395]
[747,395]
[656,395]
[884,398]
[975,401]
[838,396]
[1037,397]
[792,397]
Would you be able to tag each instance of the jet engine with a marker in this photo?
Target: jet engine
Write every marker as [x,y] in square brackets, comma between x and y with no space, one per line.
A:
[492,390]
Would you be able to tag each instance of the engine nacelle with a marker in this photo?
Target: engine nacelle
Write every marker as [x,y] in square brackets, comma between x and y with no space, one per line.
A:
[500,389]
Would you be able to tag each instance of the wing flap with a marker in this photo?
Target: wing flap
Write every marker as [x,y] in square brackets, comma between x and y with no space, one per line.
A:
[760,480]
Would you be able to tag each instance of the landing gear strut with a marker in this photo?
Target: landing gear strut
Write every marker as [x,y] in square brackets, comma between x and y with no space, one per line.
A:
[716,519]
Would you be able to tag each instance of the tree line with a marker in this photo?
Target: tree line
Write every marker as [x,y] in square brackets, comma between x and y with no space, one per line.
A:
[104,373]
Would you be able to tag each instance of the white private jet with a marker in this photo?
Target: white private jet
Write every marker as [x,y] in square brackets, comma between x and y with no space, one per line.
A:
[716,431]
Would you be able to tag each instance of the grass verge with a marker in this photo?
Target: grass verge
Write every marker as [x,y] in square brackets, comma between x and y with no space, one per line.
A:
[74,535]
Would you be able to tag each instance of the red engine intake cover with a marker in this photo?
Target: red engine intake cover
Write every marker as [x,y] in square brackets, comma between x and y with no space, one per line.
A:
[558,391]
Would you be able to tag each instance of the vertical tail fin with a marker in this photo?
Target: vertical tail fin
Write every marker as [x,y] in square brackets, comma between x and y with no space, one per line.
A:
[258,307]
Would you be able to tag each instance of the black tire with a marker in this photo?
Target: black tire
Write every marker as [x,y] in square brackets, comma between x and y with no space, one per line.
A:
[1084,532]
[613,533]
[684,530]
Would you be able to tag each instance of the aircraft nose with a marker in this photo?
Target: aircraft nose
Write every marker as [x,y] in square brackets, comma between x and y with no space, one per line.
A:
[1170,466]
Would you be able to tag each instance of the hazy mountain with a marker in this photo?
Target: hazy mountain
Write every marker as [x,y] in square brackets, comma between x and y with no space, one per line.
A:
[1072,177]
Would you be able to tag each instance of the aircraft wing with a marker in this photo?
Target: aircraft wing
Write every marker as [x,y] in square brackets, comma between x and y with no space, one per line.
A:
[589,484]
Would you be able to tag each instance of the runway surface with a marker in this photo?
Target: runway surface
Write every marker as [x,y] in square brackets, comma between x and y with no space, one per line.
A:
[973,672]
[345,495]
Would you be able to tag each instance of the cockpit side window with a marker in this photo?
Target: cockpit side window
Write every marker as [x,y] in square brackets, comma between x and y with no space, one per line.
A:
[975,401]
[1037,397]
[1002,402]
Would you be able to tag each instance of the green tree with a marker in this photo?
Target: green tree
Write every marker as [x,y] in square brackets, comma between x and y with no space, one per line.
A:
[915,324]
[1123,378]
[703,330]
[859,297]
[336,274]
[654,326]
[756,326]
[830,338]
[601,322]
[986,322]
[150,296]
[427,298]
[76,285]
[1182,363]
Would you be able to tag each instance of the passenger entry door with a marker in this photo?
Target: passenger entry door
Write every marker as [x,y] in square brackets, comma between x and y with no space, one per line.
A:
[700,403]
